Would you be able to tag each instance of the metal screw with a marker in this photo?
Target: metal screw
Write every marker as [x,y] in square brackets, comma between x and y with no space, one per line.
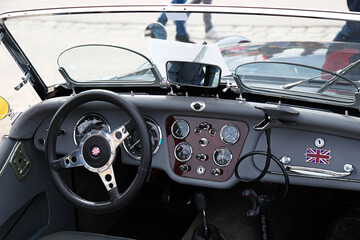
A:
[285,160]
[348,167]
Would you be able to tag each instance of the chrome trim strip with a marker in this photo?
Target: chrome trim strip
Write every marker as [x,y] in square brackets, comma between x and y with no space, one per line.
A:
[286,12]
[316,172]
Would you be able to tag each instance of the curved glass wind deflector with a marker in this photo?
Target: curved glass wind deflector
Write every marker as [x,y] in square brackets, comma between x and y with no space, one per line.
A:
[306,81]
[193,74]
[105,64]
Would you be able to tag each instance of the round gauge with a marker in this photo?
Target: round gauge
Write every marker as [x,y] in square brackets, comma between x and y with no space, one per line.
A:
[180,129]
[183,152]
[222,157]
[229,134]
[132,143]
[89,123]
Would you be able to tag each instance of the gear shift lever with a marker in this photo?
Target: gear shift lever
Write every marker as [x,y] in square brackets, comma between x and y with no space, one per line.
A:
[206,231]
[200,202]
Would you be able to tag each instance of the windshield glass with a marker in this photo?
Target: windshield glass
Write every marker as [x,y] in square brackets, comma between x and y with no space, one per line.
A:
[241,39]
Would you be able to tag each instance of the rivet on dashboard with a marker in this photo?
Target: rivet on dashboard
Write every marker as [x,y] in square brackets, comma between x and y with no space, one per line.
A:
[132,93]
[346,113]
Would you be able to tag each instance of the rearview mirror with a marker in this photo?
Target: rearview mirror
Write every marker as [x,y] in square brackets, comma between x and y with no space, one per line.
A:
[193,74]
[4,108]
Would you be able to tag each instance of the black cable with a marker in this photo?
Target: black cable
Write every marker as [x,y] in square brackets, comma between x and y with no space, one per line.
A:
[281,166]
[267,162]
[269,157]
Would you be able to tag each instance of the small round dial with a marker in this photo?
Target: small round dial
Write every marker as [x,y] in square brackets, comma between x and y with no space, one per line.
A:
[183,152]
[222,157]
[229,134]
[180,129]
[89,123]
[132,143]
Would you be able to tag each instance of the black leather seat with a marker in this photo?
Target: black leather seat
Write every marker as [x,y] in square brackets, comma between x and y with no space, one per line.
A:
[70,235]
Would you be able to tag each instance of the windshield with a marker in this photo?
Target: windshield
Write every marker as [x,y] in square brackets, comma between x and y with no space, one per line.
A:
[75,44]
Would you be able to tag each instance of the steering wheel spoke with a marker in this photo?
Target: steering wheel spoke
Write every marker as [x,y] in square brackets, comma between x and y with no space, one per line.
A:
[108,178]
[71,160]
[119,135]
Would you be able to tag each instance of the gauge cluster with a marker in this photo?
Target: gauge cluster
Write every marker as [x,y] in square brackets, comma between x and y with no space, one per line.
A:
[204,148]
[132,143]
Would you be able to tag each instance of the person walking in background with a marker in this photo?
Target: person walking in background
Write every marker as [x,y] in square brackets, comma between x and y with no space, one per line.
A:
[210,32]
[351,30]
[181,34]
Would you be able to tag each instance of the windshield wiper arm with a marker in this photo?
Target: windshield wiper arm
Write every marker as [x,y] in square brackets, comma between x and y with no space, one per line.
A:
[339,76]
[291,85]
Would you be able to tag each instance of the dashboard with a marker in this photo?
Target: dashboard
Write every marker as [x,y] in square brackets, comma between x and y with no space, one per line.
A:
[202,148]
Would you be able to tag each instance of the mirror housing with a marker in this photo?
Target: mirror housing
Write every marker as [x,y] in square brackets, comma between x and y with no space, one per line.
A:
[4,108]
[193,74]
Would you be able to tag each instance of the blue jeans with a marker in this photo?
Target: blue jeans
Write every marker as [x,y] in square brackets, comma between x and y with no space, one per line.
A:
[180,25]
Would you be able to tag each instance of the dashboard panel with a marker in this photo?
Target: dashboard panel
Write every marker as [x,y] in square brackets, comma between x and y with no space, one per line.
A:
[340,132]
[203,148]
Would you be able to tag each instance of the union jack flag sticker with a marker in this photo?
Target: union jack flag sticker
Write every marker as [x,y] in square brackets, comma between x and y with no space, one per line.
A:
[318,156]
[95,151]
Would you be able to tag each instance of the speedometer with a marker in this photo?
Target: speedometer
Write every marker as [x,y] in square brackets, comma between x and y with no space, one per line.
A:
[89,123]
[132,143]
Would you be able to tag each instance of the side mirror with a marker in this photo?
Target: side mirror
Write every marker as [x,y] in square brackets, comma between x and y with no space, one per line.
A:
[193,74]
[4,108]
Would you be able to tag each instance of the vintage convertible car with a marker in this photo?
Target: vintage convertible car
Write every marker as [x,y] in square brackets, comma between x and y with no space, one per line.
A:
[135,136]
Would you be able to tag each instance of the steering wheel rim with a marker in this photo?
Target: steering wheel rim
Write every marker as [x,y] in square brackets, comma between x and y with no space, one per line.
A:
[117,200]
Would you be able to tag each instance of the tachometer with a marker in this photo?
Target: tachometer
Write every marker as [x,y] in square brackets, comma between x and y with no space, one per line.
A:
[89,123]
[132,142]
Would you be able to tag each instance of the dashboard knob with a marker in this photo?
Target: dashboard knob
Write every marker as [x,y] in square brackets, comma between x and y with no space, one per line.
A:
[201,157]
[184,168]
[197,106]
[204,125]
[203,142]
[215,171]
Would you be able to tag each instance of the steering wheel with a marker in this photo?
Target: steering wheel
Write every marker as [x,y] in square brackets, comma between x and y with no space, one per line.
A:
[96,152]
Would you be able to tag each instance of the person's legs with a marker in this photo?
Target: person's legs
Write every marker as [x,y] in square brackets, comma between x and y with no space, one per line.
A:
[163,19]
[207,17]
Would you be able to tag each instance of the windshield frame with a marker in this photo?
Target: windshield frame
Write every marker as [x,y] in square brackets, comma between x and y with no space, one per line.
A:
[39,85]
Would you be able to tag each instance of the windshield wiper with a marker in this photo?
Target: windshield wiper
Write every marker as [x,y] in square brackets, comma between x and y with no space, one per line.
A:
[291,85]
[336,78]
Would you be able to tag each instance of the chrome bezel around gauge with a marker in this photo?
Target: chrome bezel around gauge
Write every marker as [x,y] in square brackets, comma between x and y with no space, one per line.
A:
[147,119]
[86,116]
[187,132]
[190,155]
[222,165]
[222,131]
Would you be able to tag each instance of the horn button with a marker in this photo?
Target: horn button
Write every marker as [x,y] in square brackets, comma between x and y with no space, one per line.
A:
[96,151]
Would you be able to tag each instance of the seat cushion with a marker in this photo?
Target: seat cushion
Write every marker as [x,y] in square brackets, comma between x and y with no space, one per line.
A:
[70,235]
